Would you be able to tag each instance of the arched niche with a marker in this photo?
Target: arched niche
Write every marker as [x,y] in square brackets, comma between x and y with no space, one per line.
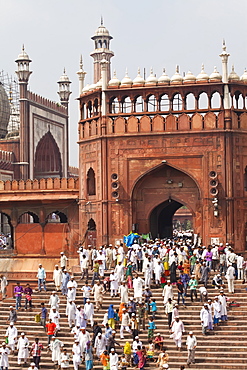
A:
[28,218]
[91,187]
[48,161]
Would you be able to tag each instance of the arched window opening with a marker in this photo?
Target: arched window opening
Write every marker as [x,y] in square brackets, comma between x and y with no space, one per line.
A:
[164,103]
[245,179]
[238,101]
[234,102]
[28,218]
[139,104]
[126,105]
[203,101]
[114,106]
[177,102]
[89,109]
[95,107]
[215,101]
[57,217]
[190,102]
[91,225]
[6,231]
[151,104]
[91,189]
[47,158]
[105,44]
[83,111]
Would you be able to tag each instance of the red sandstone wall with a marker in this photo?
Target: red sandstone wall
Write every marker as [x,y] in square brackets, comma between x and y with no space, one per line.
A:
[55,238]
[28,239]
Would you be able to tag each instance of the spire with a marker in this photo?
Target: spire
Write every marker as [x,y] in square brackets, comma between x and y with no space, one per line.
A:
[224,58]
[81,75]
[101,21]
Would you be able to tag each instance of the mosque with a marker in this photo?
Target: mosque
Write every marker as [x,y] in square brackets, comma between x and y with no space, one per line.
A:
[147,148]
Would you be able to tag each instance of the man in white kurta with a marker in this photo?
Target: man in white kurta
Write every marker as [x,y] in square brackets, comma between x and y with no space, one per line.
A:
[100,344]
[54,300]
[157,272]
[123,290]
[98,291]
[230,276]
[89,311]
[148,275]
[55,348]
[177,330]
[72,283]
[167,292]
[204,316]
[57,278]
[223,306]
[71,313]
[191,347]
[84,337]
[76,350]
[63,260]
[11,334]
[22,347]
[138,285]
[4,356]
[113,360]
[4,284]
[119,271]
[113,284]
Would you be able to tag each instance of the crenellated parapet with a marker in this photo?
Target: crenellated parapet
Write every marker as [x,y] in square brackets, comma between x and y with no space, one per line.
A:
[50,184]
[46,103]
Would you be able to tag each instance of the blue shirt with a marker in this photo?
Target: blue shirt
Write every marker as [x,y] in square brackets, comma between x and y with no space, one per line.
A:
[153,306]
[151,325]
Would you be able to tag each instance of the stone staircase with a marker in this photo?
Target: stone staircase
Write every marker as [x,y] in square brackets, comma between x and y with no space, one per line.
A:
[223,348]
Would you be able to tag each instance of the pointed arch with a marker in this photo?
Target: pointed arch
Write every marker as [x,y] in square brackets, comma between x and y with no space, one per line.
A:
[47,158]
[91,188]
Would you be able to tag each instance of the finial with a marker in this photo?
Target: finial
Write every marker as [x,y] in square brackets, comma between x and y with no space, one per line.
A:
[126,72]
[138,71]
[233,68]
[101,21]
[23,47]
[215,69]
[177,68]
[114,73]
[223,45]
[81,62]
[164,70]
[202,67]
[151,71]
[64,71]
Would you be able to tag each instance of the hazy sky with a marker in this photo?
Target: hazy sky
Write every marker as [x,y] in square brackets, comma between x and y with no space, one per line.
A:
[157,33]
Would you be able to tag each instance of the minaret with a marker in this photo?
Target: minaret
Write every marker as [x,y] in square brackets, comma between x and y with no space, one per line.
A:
[81,75]
[101,51]
[224,58]
[64,94]
[23,74]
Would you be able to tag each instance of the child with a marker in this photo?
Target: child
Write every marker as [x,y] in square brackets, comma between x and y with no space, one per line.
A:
[151,328]
[150,351]
[43,315]
[163,280]
[123,362]
[134,326]
[129,282]
[153,307]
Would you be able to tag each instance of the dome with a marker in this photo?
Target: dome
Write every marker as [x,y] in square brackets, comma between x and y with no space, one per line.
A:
[126,81]
[177,78]
[164,79]
[151,80]
[64,77]
[102,31]
[233,75]
[23,55]
[203,76]
[215,76]
[92,87]
[189,77]
[85,89]
[114,81]
[139,80]
[99,84]
[244,76]
[4,111]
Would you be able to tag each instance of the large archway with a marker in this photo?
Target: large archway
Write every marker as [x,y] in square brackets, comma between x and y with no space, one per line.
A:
[157,196]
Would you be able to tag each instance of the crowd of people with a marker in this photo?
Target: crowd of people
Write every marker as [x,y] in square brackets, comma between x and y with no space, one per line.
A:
[181,270]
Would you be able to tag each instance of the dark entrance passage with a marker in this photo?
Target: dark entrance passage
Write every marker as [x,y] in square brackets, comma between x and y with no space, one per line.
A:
[161,225]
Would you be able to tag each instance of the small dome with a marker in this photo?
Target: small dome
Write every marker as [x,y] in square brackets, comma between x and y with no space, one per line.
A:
[139,80]
[177,78]
[151,80]
[126,81]
[203,76]
[64,77]
[85,89]
[99,84]
[23,55]
[215,76]
[164,79]
[114,81]
[4,111]
[244,76]
[102,31]
[233,75]
[189,77]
